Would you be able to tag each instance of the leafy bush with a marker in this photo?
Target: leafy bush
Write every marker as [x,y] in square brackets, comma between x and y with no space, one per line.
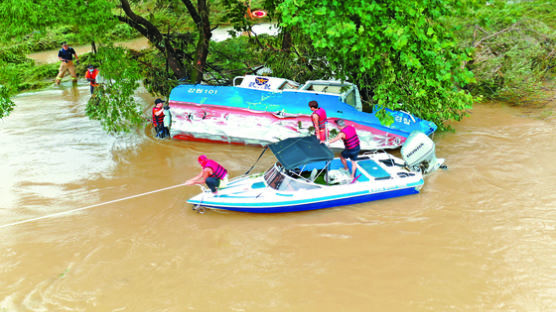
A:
[514,46]
[6,104]
[397,51]
[18,73]
[121,32]
[112,102]
[156,79]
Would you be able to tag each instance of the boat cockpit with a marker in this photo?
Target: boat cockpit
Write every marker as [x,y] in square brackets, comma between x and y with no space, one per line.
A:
[278,178]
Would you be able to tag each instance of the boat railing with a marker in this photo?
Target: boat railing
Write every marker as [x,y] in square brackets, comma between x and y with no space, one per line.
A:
[278,179]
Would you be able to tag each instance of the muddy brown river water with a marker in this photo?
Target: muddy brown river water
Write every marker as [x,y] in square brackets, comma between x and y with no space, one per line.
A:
[481,236]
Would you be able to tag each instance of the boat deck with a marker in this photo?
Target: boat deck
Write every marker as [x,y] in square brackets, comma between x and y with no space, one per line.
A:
[367,169]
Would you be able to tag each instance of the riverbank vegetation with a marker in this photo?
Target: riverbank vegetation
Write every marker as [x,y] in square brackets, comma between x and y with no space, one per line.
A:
[432,59]
[514,47]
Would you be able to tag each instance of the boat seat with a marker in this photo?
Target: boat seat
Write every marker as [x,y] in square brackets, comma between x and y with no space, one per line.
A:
[373,169]
[339,176]
[313,174]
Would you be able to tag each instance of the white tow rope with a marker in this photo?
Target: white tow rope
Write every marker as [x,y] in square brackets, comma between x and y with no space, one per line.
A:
[88,207]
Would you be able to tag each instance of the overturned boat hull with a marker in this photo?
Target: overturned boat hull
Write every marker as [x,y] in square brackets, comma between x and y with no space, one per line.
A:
[259,117]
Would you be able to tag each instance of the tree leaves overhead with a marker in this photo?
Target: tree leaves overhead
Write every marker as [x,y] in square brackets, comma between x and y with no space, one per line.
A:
[6,104]
[113,102]
[22,17]
[402,54]
[398,49]
[515,46]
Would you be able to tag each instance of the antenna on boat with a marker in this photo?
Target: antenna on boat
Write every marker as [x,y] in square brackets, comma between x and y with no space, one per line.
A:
[261,155]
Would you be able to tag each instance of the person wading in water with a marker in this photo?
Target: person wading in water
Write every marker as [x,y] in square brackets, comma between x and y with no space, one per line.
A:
[91,76]
[65,55]
[158,118]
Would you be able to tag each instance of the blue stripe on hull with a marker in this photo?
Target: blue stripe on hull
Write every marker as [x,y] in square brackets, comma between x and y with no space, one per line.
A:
[324,204]
[292,102]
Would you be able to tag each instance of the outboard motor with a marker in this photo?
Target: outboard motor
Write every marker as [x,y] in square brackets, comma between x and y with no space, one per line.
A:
[418,152]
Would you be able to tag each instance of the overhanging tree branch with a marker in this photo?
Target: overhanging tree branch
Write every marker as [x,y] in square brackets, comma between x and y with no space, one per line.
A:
[192,11]
[151,32]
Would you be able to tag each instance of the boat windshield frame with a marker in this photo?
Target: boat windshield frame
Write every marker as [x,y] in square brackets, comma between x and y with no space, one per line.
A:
[277,179]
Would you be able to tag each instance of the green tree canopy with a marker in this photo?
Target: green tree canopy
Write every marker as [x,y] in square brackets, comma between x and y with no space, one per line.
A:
[113,102]
[398,50]
[400,53]
[21,18]
[514,46]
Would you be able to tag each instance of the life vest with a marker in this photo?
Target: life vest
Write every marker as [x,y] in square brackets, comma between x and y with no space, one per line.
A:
[217,170]
[92,76]
[322,118]
[351,140]
[158,120]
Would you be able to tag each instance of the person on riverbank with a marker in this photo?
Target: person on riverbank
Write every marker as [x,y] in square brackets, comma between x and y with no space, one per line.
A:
[91,76]
[66,55]
[319,120]
[351,143]
[212,174]
[158,118]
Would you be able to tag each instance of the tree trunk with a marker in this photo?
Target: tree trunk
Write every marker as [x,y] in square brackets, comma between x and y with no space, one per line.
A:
[152,33]
[286,41]
[205,34]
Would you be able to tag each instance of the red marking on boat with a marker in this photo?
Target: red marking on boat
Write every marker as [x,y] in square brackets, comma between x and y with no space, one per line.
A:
[212,111]
[189,137]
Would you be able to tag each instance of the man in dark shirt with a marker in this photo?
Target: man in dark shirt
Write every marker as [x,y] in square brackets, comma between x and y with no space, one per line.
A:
[65,55]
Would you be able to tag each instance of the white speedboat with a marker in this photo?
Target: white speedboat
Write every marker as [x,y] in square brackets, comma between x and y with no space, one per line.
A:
[307,176]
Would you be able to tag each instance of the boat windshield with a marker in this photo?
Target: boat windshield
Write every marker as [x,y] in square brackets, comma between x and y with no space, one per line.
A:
[277,179]
[350,99]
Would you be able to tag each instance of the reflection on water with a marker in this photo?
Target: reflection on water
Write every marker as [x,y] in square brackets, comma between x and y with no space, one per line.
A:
[480,236]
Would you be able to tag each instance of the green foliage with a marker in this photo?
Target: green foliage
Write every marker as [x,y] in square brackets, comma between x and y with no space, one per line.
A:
[6,104]
[397,51]
[92,18]
[113,102]
[34,14]
[407,55]
[13,55]
[302,64]
[230,58]
[36,77]
[243,54]
[157,78]
[121,32]
[514,46]
[19,73]
[41,24]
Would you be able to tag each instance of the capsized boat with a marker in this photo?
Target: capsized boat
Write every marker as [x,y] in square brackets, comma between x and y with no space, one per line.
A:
[260,110]
[307,176]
